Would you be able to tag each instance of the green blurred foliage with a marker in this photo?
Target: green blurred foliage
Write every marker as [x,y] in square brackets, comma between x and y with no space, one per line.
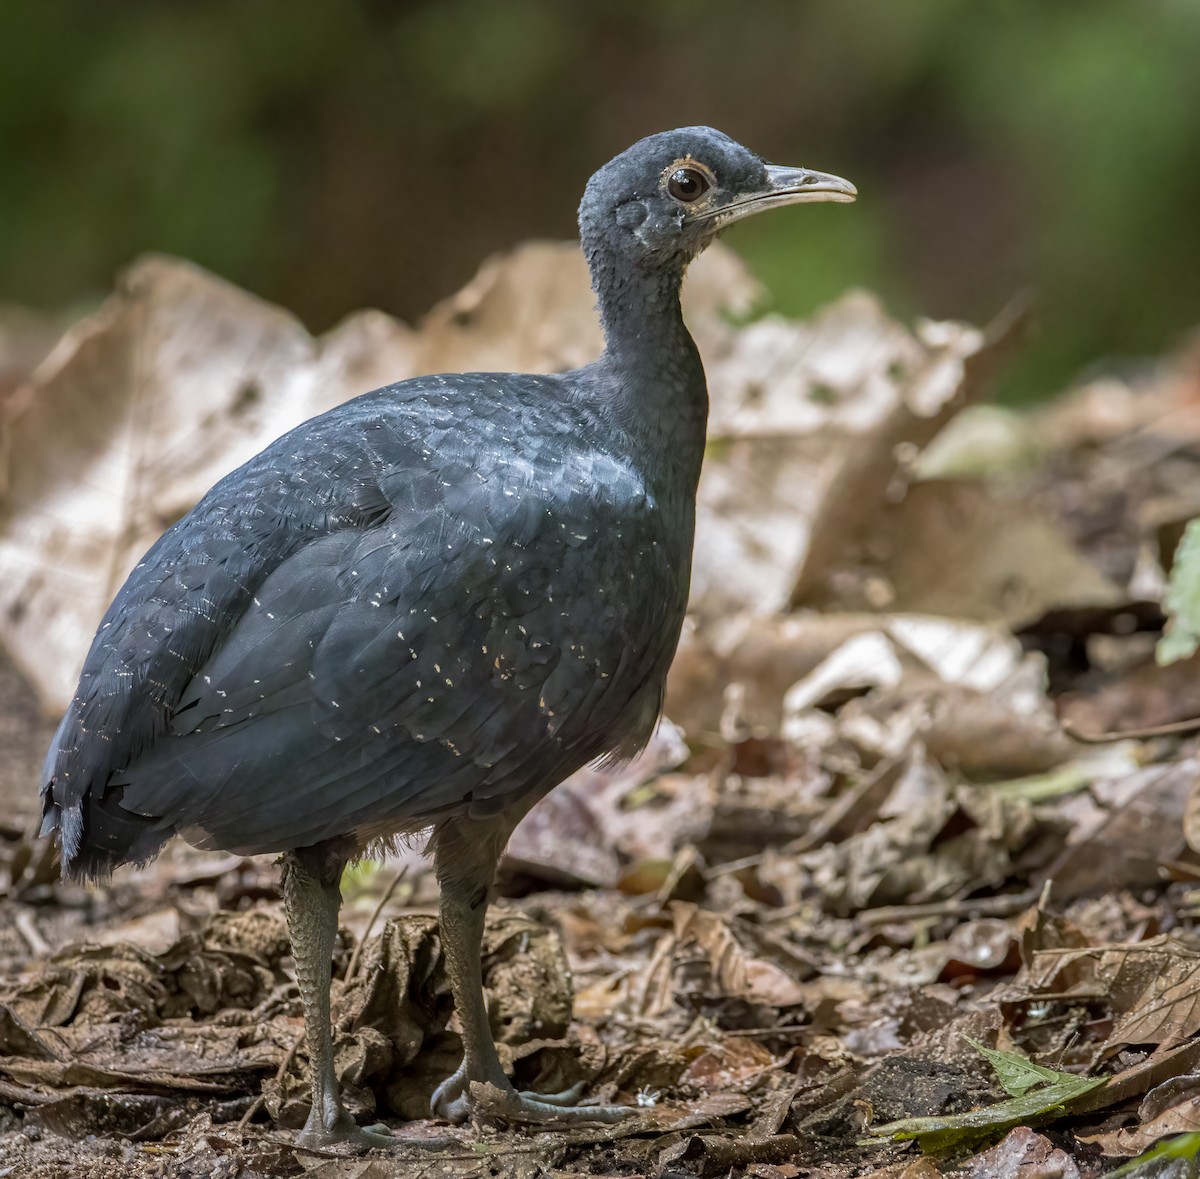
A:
[335,153]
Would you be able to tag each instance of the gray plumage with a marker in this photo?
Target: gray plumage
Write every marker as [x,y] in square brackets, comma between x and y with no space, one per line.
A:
[426,607]
[429,599]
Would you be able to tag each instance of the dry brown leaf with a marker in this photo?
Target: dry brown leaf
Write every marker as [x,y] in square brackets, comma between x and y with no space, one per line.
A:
[1172,1108]
[1152,987]
[956,548]
[1023,1154]
[736,1063]
[741,971]
[706,960]
[1125,846]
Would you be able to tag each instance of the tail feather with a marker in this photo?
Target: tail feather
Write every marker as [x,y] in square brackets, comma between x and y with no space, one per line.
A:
[98,836]
[94,833]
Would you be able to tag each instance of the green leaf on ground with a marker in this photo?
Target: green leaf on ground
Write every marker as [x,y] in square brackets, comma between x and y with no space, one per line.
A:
[955,1131]
[1038,1093]
[1182,601]
[1017,1074]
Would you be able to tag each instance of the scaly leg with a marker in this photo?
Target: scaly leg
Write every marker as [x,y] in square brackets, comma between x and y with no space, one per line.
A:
[465,854]
[311,898]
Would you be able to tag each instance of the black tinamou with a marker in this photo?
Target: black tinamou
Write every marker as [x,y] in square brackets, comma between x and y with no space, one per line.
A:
[424,608]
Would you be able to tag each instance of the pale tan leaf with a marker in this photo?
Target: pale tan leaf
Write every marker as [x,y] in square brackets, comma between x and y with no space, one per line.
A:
[806,423]
[140,408]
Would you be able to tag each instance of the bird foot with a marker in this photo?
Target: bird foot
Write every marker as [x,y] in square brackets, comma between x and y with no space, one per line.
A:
[459,1098]
[346,1132]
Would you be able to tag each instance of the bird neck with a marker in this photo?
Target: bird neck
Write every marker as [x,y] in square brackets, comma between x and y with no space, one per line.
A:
[658,382]
[639,308]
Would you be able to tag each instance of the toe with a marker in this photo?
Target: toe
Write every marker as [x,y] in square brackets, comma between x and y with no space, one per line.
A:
[458,1100]
[450,1100]
[537,1107]
[569,1096]
[347,1134]
[490,1101]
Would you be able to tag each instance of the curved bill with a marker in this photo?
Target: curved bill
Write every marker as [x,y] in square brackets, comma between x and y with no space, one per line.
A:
[785,186]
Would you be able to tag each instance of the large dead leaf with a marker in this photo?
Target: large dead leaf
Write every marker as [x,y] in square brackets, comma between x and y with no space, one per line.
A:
[1172,1108]
[765,974]
[1022,1154]
[957,548]
[177,379]
[26,338]
[968,692]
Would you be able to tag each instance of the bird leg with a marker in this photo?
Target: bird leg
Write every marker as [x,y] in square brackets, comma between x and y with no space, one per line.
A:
[311,898]
[466,852]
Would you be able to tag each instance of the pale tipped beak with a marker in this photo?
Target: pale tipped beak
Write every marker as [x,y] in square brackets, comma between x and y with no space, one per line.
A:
[784,186]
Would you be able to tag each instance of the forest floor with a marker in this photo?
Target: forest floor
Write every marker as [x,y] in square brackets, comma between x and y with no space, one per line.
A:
[868,905]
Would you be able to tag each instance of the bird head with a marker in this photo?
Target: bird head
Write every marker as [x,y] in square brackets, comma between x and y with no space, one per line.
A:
[664,199]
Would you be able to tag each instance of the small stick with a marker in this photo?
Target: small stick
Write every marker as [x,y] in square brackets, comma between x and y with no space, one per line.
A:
[352,969]
[1174,729]
[1001,906]
[257,1103]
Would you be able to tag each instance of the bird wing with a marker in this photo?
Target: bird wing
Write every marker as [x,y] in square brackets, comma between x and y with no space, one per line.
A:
[358,628]
[188,591]
[381,677]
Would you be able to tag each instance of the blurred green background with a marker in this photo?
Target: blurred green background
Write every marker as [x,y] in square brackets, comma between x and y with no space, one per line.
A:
[331,154]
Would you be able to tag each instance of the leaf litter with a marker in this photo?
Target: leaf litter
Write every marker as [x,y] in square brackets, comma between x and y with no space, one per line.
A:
[865,906]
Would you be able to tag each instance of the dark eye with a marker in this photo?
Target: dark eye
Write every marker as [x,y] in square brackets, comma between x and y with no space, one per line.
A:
[688,184]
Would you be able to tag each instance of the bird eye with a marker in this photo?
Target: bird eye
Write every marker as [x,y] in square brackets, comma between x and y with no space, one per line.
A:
[688,184]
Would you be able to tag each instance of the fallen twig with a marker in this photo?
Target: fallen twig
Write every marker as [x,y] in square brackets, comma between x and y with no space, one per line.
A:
[352,968]
[1002,906]
[1174,729]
